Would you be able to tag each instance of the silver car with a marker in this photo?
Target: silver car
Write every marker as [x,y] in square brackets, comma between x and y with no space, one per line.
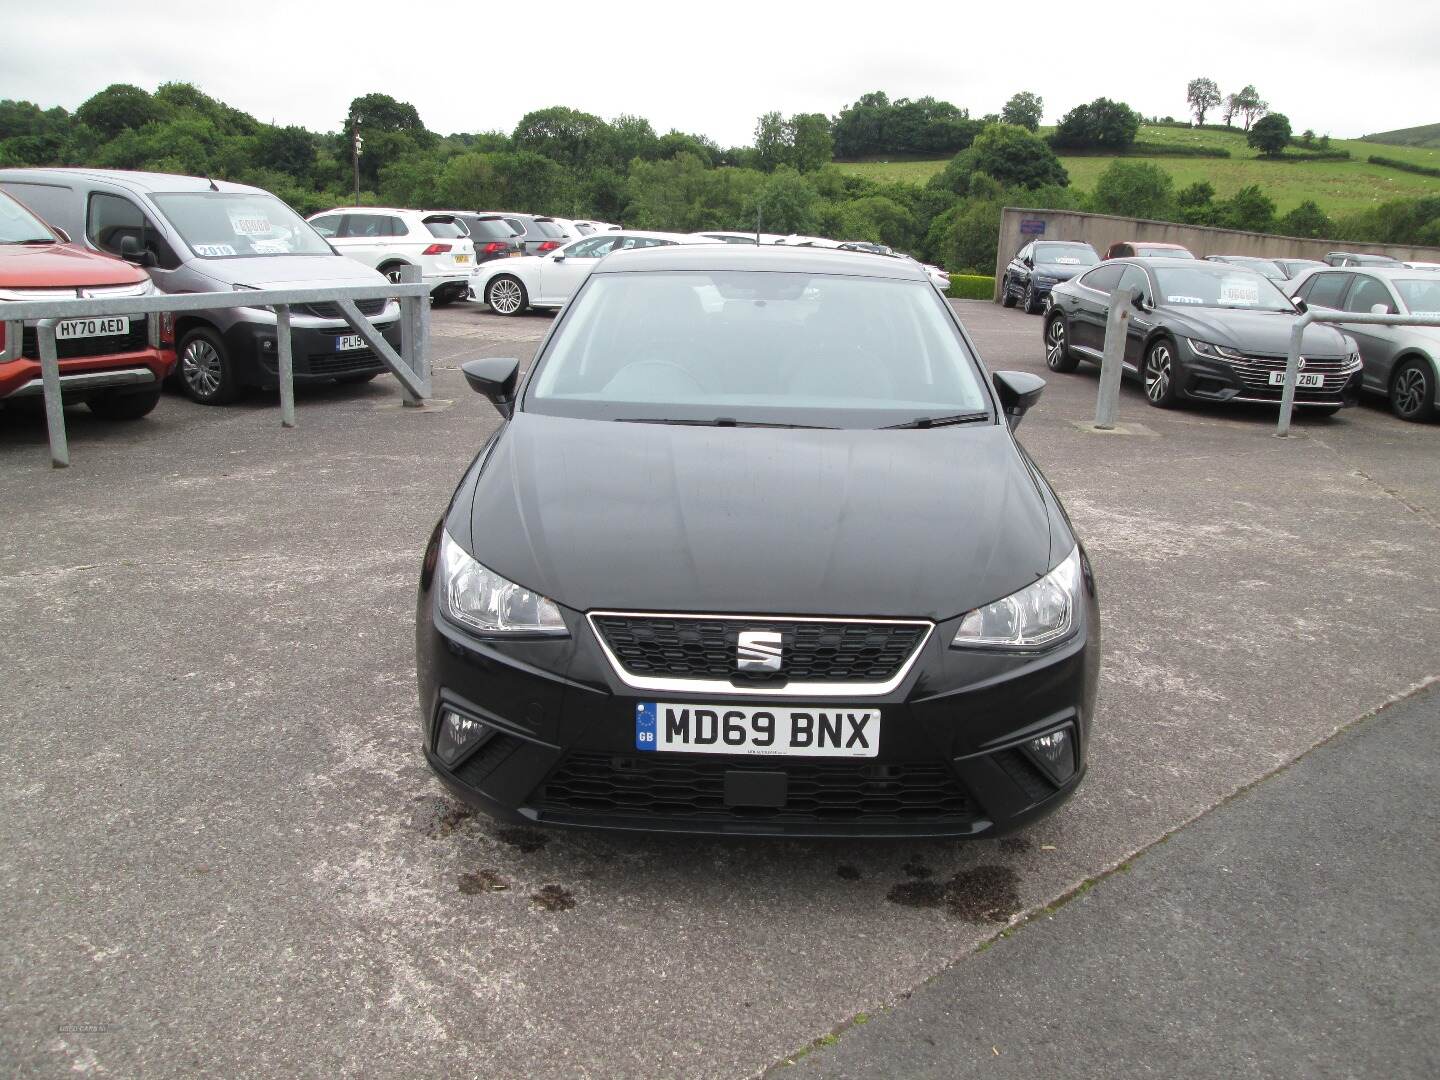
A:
[198,235]
[1401,362]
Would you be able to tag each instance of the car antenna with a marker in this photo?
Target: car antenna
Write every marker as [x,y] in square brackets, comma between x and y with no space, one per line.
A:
[213,186]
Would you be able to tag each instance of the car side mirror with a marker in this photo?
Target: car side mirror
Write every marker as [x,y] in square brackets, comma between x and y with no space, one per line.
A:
[131,251]
[64,236]
[494,377]
[1019,392]
[1379,309]
[559,256]
[1028,262]
[1300,305]
[1140,302]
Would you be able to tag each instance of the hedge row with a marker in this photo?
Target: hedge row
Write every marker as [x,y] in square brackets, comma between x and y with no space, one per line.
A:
[1312,155]
[1404,166]
[1148,149]
[971,287]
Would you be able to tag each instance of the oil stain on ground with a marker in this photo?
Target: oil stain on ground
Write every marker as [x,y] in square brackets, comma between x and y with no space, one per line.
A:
[523,839]
[437,817]
[846,872]
[553,898]
[980,894]
[917,869]
[481,881]
[1015,845]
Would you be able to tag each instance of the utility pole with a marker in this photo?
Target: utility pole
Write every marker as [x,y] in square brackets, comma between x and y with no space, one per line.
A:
[757,224]
[357,144]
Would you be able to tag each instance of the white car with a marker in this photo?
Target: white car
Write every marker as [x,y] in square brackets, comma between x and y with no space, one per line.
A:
[509,286]
[390,240]
[600,226]
[743,237]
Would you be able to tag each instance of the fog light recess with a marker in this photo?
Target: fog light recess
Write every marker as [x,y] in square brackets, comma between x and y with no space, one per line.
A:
[1054,752]
[459,735]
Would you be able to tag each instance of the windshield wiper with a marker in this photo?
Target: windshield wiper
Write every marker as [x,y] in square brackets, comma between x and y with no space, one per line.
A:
[36,240]
[719,421]
[939,421]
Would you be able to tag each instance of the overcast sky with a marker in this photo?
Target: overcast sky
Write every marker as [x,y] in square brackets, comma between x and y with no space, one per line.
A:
[1345,68]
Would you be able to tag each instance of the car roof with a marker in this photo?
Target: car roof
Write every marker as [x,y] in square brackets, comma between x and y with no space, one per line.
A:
[165,183]
[1389,272]
[1155,244]
[1161,263]
[773,258]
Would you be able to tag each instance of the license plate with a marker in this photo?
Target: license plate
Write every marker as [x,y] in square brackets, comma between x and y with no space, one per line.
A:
[78,328]
[462,258]
[725,729]
[348,342]
[1305,380]
[516,254]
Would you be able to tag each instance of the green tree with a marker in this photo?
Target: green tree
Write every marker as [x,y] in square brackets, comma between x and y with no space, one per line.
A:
[1270,135]
[1015,157]
[119,107]
[1307,220]
[1102,124]
[1139,189]
[1202,96]
[390,130]
[1024,110]
[772,142]
[787,202]
[628,138]
[290,150]
[1246,104]
[811,144]
[569,136]
[1249,209]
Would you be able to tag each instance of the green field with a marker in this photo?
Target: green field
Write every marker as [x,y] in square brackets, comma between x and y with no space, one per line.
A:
[1339,187]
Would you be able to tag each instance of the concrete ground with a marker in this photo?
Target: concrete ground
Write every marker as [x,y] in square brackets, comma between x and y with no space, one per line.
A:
[221,853]
[1290,932]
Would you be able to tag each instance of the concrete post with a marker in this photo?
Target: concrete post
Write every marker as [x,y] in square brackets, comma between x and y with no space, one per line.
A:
[1117,329]
[287,365]
[54,402]
[1292,371]
[410,331]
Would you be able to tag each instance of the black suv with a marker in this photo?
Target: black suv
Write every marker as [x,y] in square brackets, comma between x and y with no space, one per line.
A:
[495,238]
[1038,267]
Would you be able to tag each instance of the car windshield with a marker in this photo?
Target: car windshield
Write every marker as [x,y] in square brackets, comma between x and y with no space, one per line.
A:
[1162,252]
[1219,286]
[230,225]
[19,226]
[749,347]
[1066,254]
[1421,295]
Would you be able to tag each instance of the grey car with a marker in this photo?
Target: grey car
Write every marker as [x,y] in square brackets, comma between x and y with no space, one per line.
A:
[193,235]
[1401,362]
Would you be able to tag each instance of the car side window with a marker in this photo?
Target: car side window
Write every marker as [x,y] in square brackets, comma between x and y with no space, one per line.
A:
[111,219]
[1026,252]
[517,225]
[1366,292]
[1325,290]
[1104,278]
[590,249]
[367,226]
[1135,278]
[326,226]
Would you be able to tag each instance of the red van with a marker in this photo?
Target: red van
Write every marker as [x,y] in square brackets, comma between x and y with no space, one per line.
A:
[109,363]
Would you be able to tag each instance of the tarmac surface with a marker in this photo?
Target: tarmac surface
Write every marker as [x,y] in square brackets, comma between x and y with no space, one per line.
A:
[222,854]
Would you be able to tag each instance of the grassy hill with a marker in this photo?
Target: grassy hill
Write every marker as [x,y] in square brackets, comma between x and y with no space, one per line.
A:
[1339,187]
[1426,135]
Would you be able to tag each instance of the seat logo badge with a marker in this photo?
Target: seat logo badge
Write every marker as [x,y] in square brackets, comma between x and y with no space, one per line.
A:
[1300,366]
[758,650]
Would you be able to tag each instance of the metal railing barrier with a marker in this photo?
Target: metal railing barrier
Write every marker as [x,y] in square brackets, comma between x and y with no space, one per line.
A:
[411,365]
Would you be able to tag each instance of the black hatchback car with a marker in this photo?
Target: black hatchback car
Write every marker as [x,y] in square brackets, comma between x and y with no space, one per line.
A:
[1038,267]
[1201,331]
[756,552]
[493,236]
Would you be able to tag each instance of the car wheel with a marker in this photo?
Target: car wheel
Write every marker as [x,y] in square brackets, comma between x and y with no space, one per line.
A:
[1029,304]
[1412,391]
[392,271]
[1007,298]
[356,377]
[1058,356]
[506,295]
[116,406]
[206,372]
[1162,375]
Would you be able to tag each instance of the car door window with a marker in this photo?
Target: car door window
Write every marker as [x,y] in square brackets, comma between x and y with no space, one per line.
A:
[326,226]
[1026,252]
[365,226]
[111,219]
[1325,290]
[590,249]
[1104,278]
[1134,278]
[1366,292]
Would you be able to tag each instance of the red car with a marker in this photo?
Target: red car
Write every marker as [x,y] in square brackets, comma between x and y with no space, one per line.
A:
[109,363]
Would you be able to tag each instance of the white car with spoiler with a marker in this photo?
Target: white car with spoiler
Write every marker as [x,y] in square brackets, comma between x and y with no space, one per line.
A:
[510,286]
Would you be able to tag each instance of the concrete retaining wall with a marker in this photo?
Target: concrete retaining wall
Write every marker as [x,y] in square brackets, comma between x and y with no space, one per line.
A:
[1102,230]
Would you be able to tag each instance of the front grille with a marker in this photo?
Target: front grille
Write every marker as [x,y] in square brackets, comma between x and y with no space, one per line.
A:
[344,363]
[330,310]
[840,792]
[701,648]
[137,339]
[1254,372]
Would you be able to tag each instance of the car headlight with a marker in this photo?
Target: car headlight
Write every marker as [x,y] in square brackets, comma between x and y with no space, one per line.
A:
[477,597]
[1215,352]
[1040,614]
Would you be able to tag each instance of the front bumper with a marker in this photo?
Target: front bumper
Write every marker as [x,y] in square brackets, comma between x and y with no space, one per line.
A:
[951,759]
[86,370]
[1248,380]
[313,352]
